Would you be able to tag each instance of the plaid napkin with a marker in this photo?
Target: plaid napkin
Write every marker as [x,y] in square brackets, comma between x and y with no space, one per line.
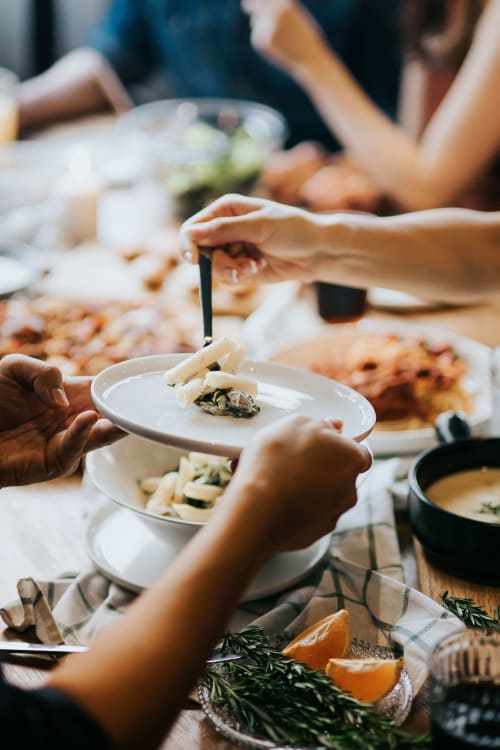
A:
[362,573]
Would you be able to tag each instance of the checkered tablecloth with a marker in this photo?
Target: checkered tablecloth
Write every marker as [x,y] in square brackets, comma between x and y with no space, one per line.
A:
[362,573]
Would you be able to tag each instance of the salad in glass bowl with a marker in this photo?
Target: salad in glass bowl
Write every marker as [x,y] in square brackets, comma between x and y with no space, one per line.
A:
[204,148]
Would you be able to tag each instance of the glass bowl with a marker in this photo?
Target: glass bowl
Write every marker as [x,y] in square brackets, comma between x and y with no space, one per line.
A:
[395,706]
[204,148]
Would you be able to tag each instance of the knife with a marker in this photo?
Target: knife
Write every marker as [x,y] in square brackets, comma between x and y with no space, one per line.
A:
[61,649]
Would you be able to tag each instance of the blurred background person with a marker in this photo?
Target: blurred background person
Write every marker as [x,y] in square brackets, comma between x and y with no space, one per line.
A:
[204,49]
[446,150]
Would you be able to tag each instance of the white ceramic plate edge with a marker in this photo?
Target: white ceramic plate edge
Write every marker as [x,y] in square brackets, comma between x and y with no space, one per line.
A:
[401,442]
[178,440]
[316,553]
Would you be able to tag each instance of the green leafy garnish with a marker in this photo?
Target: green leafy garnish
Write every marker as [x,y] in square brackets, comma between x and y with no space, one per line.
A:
[279,699]
[470,613]
[490,508]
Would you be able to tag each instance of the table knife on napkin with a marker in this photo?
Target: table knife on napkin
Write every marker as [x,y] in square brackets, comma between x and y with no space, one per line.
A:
[61,649]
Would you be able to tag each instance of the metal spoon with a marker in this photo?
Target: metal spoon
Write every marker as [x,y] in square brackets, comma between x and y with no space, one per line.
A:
[205,266]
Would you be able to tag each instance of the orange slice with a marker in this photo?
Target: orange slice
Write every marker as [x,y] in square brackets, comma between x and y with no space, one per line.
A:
[328,638]
[368,680]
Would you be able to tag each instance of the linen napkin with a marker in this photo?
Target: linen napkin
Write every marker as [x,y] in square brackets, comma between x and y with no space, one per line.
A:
[362,573]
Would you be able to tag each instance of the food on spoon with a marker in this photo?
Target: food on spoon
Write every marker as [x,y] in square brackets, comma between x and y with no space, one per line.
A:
[209,379]
[326,639]
[368,680]
[192,491]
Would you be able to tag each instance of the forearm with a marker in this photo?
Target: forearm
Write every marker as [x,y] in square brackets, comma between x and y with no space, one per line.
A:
[388,154]
[79,83]
[137,675]
[447,254]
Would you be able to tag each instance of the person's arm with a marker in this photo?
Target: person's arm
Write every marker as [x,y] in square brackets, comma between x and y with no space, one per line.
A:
[461,139]
[447,254]
[82,82]
[136,676]
[117,53]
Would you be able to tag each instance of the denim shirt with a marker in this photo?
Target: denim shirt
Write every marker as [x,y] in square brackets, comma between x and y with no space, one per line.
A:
[204,49]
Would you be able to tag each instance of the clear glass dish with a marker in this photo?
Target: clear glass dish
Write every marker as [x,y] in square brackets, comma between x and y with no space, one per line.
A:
[395,706]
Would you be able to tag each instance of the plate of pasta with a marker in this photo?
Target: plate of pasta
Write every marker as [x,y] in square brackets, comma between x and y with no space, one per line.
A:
[409,373]
[214,401]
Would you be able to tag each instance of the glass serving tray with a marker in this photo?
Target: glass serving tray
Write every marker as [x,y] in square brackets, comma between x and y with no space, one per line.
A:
[395,706]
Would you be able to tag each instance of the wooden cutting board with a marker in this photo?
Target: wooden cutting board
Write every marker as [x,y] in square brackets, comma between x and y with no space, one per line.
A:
[433,582]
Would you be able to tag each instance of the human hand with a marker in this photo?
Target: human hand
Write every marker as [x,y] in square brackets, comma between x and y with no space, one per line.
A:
[254,240]
[284,32]
[295,480]
[340,187]
[46,423]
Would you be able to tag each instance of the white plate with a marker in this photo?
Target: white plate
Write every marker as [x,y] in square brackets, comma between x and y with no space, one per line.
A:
[391,299]
[134,396]
[132,556]
[398,442]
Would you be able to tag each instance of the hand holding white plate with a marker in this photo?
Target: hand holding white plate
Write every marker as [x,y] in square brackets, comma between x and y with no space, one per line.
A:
[134,396]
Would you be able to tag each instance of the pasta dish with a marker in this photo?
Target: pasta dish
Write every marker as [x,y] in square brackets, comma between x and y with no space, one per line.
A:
[408,381]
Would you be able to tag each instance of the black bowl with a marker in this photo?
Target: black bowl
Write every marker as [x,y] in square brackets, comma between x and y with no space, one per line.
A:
[462,546]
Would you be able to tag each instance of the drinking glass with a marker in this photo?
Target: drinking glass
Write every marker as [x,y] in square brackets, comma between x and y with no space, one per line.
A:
[465,691]
[340,304]
[8,106]
[495,392]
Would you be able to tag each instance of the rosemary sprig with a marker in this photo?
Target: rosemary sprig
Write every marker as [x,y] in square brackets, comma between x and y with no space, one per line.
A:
[279,699]
[470,613]
[490,508]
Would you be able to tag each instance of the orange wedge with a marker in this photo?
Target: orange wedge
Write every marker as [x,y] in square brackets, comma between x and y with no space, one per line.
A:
[328,638]
[368,680]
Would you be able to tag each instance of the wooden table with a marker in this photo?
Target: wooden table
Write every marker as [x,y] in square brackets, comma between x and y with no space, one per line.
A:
[42,534]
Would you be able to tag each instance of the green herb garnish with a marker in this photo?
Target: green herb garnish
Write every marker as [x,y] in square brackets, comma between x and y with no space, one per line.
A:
[490,508]
[470,613]
[279,699]
[228,402]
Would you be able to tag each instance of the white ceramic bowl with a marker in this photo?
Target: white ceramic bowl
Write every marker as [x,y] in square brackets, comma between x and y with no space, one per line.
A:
[116,470]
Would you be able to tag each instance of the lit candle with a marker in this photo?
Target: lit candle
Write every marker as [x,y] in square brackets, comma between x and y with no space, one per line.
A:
[8,106]
[78,193]
[8,118]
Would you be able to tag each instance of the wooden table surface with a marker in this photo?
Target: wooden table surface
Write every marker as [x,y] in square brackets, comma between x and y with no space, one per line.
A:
[42,534]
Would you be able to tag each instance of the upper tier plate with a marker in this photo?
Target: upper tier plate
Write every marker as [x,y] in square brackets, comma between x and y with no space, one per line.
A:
[134,396]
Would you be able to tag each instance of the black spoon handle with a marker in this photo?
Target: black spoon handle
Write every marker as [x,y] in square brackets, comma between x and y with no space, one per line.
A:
[205,266]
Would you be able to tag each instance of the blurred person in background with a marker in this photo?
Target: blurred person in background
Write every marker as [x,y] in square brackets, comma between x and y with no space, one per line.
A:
[203,49]
[446,151]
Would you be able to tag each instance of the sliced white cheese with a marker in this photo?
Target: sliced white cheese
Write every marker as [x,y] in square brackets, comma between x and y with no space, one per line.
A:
[186,474]
[163,497]
[187,394]
[192,365]
[149,484]
[202,459]
[234,360]
[205,492]
[219,379]
[189,513]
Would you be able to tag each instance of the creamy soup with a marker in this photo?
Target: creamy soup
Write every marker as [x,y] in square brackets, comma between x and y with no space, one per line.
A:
[473,494]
